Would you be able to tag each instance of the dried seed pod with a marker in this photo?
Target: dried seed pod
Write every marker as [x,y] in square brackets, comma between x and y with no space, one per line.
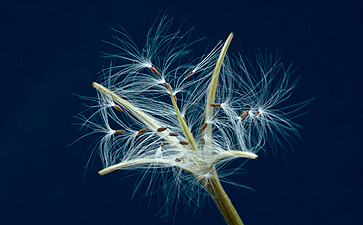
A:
[183,142]
[161,129]
[120,131]
[257,113]
[143,130]
[173,134]
[154,70]
[215,105]
[244,114]
[203,126]
[117,107]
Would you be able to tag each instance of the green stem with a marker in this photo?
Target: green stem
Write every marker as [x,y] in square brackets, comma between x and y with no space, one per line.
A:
[212,94]
[220,197]
[213,185]
[146,119]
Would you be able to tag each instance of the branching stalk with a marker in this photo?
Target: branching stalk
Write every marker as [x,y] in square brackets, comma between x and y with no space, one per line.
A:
[212,184]
[148,133]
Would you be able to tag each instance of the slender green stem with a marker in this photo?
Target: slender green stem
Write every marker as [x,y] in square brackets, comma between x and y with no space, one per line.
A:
[212,94]
[143,117]
[220,197]
[187,134]
[213,185]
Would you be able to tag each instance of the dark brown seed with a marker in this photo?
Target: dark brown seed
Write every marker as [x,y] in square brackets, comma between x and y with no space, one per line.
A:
[173,134]
[117,107]
[257,113]
[177,160]
[175,98]
[161,129]
[203,126]
[167,86]
[202,139]
[154,70]
[215,105]
[244,114]
[143,130]
[183,142]
[120,131]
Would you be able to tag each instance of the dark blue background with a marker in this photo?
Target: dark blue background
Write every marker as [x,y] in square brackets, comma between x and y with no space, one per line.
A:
[50,49]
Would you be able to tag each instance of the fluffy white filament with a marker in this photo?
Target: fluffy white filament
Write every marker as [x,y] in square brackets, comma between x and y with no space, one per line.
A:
[247,117]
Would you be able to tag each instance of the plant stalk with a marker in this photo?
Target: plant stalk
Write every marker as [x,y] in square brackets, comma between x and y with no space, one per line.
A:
[220,197]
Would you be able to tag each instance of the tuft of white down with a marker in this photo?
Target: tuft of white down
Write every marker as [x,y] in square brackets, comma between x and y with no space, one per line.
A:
[259,89]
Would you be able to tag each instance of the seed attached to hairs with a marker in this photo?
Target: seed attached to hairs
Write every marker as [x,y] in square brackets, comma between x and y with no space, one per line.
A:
[215,105]
[167,86]
[244,114]
[202,139]
[173,134]
[143,130]
[177,160]
[175,98]
[117,107]
[203,126]
[183,142]
[161,129]
[154,70]
[257,113]
[120,131]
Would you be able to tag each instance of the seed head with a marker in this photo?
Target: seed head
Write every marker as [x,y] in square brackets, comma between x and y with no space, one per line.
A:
[245,117]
